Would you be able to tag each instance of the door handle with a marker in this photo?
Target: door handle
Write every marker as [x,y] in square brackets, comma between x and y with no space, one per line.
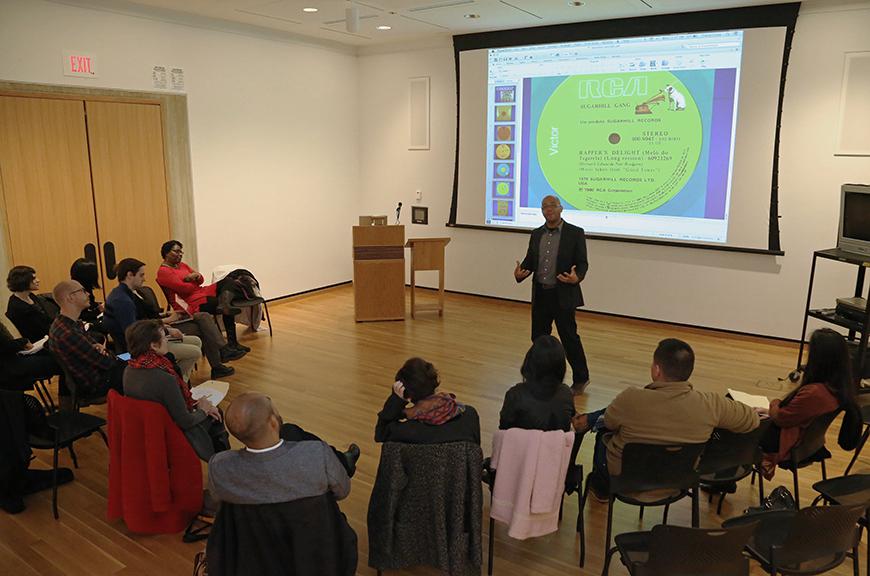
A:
[90,252]
[109,259]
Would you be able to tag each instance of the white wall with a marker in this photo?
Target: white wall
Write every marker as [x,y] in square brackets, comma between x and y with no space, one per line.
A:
[743,292]
[273,130]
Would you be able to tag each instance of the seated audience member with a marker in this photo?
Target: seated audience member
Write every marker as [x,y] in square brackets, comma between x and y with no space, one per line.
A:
[151,375]
[541,401]
[18,372]
[179,280]
[85,272]
[667,411]
[81,352]
[432,418]
[200,325]
[31,313]
[827,386]
[124,306]
[270,469]
[17,479]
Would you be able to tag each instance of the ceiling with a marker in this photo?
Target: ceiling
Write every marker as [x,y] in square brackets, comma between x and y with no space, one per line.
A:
[409,20]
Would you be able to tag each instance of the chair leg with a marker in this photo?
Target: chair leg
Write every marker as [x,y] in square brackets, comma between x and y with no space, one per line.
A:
[824,471]
[54,482]
[760,489]
[103,436]
[855,570]
[491,545]
[72,454]
[581,527]
[752,478]
[696,509]
[665,514]
[858,449]
[561,505]
[797,496]
[607,552]
[640,513]
[867,522]
[719,507]
[268,320]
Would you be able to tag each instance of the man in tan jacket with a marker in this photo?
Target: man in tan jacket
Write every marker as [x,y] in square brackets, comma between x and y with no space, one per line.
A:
[667,411]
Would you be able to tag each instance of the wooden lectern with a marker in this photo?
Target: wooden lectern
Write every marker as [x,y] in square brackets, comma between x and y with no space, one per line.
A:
[427,254]
[378,273]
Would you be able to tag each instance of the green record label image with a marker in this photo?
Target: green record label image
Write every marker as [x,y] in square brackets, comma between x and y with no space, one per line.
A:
[625,142]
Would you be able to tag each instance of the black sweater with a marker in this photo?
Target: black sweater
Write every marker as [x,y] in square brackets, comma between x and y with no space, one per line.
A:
[32,320]
[524,407]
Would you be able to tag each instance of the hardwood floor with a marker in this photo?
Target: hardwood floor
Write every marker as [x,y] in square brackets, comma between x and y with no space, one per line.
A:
[331,376]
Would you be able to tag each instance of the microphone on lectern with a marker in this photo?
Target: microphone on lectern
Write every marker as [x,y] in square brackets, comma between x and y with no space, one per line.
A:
[398,212]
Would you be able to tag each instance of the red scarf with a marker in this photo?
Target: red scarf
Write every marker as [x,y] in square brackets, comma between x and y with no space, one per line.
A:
[153,360]
[436,409]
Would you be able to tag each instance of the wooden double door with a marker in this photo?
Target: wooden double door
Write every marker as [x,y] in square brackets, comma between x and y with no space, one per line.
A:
[82,178]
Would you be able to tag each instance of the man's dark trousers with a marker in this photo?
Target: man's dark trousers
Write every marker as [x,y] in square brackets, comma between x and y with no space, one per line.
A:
[545,311]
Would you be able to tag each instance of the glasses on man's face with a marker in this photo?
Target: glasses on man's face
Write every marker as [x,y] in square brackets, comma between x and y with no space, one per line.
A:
[79,290]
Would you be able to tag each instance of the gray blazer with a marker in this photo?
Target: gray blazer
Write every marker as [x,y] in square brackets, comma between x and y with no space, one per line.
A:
[155,385]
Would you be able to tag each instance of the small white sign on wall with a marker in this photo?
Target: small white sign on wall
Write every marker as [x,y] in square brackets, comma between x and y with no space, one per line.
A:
[853,134]
[158,77]
[176,75]
[79,64]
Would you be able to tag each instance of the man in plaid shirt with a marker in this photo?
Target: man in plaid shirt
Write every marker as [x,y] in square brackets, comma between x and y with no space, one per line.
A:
[94,369]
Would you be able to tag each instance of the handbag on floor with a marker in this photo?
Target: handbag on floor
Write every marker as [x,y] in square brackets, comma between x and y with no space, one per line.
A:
[779,499]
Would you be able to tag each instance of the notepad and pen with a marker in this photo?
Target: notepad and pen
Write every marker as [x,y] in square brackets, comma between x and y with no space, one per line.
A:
[212,390]
[751,400]
[37,346]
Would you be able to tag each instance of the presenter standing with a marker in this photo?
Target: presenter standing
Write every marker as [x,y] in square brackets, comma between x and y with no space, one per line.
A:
[557,257]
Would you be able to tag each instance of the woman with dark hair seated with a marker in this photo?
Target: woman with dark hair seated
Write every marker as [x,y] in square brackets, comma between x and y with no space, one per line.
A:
[19,372]
[541,401]
[85,272]
[431,418]
[827,385]
[152,375]
[31,314]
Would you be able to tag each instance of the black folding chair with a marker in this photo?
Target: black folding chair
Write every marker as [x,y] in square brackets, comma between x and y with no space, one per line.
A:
[865,417]
[680,551]
[812,540]
[809,450]
[848,490]
[730,457]
[651,469]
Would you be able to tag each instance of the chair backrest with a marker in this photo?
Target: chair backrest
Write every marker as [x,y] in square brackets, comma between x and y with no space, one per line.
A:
[813,438]
[680,551]
[150,298]
[426,498]
[727,450]
[68,380]
[819,532]
[307,537]
[648,467]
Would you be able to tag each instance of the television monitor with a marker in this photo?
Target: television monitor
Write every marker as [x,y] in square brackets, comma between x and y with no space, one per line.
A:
[854,233]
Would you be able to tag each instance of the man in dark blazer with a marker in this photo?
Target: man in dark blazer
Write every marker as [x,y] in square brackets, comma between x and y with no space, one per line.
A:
[557,256]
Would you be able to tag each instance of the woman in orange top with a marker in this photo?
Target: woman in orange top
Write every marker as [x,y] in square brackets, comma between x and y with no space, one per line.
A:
[827,385]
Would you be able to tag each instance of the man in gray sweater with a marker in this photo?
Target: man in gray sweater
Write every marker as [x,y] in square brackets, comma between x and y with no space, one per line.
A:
[270,470]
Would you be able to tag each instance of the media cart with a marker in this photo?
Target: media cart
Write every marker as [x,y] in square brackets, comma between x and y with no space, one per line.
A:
[830,315]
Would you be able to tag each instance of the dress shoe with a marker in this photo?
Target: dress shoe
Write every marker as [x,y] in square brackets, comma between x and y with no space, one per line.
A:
[350,458]
[239,346]
[228,353]
[220,371]
[12,505]
[579,388]
[39,480]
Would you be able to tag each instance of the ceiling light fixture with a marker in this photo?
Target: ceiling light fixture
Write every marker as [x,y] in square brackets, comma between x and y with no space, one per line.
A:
[472,16]
[385,27]
[309,10]
[576,3]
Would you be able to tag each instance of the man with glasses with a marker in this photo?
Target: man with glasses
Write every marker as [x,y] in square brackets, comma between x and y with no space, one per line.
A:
[83,355]
[557,257]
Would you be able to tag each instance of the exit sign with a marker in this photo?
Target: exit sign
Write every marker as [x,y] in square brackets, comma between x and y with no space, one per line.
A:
[79,64]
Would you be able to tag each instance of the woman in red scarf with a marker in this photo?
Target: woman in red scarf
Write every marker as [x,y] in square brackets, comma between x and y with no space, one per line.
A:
[431,418]
[152,375]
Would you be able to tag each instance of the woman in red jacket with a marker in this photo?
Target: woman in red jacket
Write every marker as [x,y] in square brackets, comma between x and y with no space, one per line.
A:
[827,385]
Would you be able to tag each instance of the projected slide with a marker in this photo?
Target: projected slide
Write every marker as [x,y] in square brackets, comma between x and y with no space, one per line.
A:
[635,136]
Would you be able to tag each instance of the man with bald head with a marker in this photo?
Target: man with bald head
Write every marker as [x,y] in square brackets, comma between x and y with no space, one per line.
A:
[270,469]
[85,357]
[557,257]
